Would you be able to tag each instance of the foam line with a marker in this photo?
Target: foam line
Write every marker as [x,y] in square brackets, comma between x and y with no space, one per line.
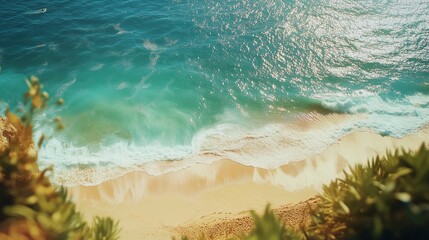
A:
[267,147]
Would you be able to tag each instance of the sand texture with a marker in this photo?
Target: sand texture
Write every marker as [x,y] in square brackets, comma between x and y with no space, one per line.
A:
[214,199]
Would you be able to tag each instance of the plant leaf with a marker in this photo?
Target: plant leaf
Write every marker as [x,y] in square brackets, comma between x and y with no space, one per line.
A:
[37,101]
[13,119]
[403,197]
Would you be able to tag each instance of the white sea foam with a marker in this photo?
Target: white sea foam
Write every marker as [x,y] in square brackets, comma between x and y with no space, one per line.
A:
[40,11]
[268,146]
[170,42]
[393,117]
[122,85]
[143,81]
[64,87]
[97,67]
[153,59]
[118,28]
[37,46]
[150,45]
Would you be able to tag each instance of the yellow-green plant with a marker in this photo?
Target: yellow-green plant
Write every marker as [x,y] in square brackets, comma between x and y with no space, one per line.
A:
[269,227]
[388,198]
[31,206]
[104,228]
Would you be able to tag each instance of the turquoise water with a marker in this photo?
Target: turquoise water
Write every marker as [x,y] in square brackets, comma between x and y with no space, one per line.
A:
[156,80]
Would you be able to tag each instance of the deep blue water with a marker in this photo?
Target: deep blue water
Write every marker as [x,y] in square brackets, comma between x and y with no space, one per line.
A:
[158,78]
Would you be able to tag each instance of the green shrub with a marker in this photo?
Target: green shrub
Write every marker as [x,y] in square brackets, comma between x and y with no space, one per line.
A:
[269,227]
[31,206]
[388,198]
[104,228]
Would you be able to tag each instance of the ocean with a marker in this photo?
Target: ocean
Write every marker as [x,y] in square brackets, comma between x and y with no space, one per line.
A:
[167,80]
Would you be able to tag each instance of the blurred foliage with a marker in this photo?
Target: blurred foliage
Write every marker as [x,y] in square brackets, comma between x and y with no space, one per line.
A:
[269,227]
[388,198]
[104,228]
[31,206]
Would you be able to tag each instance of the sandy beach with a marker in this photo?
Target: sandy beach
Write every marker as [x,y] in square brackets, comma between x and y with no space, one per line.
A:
[214,199]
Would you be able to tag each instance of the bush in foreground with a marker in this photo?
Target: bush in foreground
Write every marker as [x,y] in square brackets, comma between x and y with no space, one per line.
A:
[31,206]
[388,198]
[268,227]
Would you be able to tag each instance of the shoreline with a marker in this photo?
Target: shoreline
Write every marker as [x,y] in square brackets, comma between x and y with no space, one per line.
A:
[219,193]
[269,147]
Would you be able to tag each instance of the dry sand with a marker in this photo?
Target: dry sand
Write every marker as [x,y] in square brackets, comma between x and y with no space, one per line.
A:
[214,199]
[158,215]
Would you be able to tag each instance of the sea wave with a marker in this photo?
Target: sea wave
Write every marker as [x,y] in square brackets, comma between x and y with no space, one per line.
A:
[395,117]
[268,147]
